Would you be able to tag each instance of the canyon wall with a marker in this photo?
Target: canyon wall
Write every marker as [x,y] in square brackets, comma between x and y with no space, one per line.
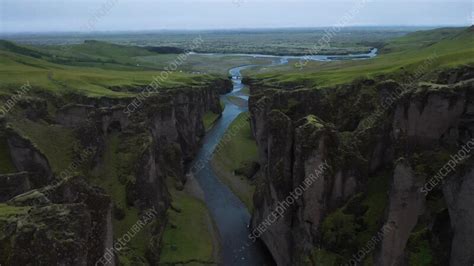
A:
[64,216]
[383,142]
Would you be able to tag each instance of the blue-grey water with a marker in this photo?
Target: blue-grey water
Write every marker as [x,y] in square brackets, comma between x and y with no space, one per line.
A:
[229,213]
[284,58]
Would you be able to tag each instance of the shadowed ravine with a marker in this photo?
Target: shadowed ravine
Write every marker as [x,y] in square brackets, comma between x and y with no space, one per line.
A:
[229,213]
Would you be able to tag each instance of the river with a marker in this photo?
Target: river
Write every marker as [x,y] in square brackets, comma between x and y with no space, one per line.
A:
[229,213]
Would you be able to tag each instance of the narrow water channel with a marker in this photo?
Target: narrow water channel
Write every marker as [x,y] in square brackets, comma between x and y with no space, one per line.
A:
[229,213]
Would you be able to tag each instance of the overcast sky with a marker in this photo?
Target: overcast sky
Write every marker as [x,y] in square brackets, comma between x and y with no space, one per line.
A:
[111,15]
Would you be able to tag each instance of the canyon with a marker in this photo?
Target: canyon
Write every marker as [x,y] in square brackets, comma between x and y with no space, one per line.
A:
[111,158]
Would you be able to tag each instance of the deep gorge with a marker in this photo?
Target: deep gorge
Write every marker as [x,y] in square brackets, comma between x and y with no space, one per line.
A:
[117,151]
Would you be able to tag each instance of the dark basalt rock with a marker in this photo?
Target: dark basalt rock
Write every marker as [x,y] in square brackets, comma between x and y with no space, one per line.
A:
[352,129]
[69,222]
[68,226]
[27,158]
[248,169]
[14,184]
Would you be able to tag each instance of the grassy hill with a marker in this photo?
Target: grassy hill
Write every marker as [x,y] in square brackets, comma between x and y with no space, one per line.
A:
[420,39]
[98,53]
[92,69]
[89,53]
[429,50]
[96,68]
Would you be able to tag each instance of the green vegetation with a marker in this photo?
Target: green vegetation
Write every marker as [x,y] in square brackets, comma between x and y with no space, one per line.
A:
[237,100]
[98,52]
[236,149]
[218,64]
[268,41]
[240,145]
[245,91]
[54,141]
[323,257]
[89,53]
[375,202]
[209,119]
[7,210]
[113,175]
[420,39]
[88,78]
[420,250]
[348,228]
[187,238]
[339,230]
[96,68]
[401,62]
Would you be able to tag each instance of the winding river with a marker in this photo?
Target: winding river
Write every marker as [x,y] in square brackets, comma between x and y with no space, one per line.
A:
[229,213]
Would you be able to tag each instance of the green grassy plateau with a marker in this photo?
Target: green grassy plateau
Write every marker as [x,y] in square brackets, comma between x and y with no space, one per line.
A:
[400,57]
[97,69]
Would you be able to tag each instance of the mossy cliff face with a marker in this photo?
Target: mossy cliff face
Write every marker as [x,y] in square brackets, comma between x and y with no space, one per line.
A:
[26,157]
[66,223]
[278,183]
[381,148]
[405,205]
[126,159]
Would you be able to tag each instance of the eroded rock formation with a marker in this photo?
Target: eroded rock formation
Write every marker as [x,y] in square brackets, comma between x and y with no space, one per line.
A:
[57,218]
[382,147]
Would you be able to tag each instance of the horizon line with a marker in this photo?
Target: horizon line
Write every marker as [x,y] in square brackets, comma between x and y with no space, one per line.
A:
[232,29]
